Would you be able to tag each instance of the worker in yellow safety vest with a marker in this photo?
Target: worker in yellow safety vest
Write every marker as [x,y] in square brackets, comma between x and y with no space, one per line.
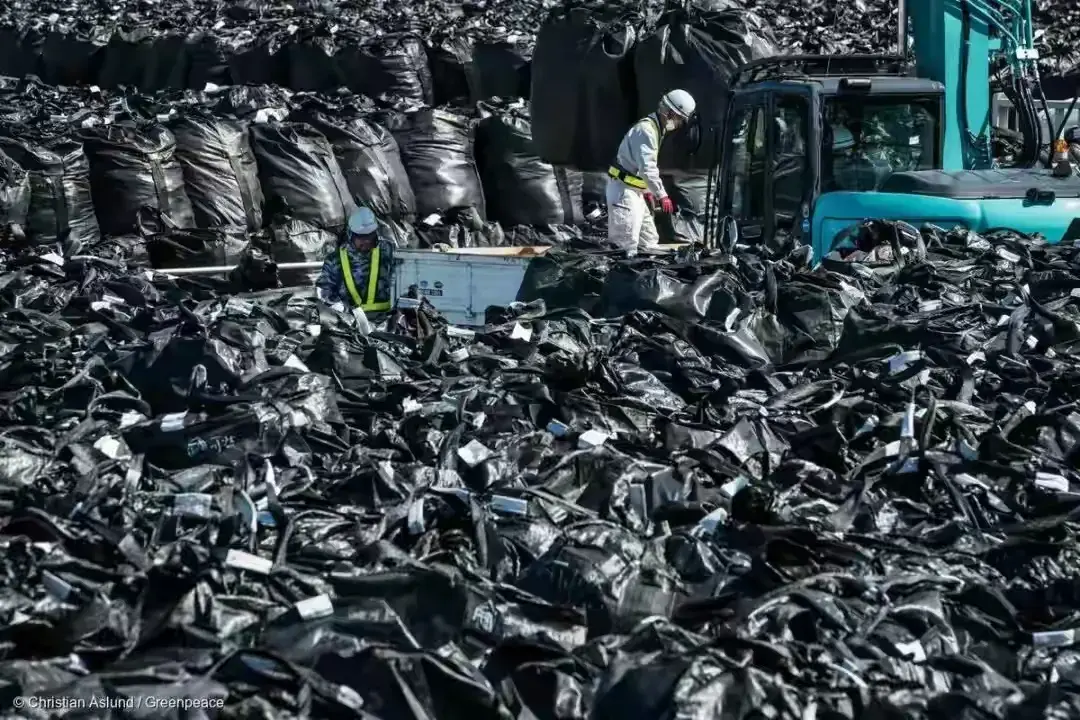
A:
[358,273]
[635,190]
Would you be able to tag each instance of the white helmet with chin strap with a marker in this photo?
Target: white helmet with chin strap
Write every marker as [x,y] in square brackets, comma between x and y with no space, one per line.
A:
[679,102]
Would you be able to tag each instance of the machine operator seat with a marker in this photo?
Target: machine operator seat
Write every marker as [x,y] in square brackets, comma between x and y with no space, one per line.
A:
[849,168]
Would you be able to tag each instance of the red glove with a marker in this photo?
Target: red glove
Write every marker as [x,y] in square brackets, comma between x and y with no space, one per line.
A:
[650,200]
[666,206]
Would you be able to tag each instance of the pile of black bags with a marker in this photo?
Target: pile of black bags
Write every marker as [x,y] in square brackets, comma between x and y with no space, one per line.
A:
[598,68]
[711,485]
[87,163]
[430,52]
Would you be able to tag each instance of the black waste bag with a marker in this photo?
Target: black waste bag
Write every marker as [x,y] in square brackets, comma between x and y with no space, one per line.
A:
[369,159]
[678,290]
[468,70]
[256,103]
[17,57]
[696,48]
[394,65]
[594,190]
[501,68]
[263,61]
[220,173]
[450,60]
[181,440]
[690,194]
[294,240]
[459,230]
[64,58]
[255,271]
[680,227]
[519,187]
[132,169]
[14,192]
[300,175]
[437,152]
[600,567]
[195,248]
[143,58]
[583,94]
[312,64]
[206,61]
[61,205]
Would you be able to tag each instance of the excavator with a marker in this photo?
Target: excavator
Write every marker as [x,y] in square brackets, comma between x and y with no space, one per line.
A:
[812,145]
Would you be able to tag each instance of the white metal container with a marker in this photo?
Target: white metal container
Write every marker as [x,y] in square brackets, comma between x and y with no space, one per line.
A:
[463,282]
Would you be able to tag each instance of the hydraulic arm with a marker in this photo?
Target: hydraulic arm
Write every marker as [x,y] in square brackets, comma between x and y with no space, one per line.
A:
[957,43]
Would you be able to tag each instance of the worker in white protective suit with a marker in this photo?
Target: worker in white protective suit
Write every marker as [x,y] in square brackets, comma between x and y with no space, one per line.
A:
[635,190]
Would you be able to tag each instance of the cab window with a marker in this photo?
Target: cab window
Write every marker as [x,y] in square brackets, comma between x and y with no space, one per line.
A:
[748,163]
[791,165]
[866,139]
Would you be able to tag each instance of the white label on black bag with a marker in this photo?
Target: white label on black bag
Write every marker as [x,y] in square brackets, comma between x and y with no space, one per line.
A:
[315,607]
[1054,638]
[240,560]
[591,439]
[193,504]
[349,698]
[520,332]
[907,423]
[1050,481]
[416,517]
[173,421]
[474,453]
[296,363]
[57,587]
[912,651]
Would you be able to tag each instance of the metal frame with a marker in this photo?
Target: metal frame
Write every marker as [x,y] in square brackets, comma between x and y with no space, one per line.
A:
[225,269]
[1005,116]
[800,67]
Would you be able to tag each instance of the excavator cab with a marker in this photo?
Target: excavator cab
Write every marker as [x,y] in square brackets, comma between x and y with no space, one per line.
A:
[798,127]
[813,145]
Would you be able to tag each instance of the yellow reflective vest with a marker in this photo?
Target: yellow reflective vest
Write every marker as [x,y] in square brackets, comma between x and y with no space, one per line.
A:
[373,282]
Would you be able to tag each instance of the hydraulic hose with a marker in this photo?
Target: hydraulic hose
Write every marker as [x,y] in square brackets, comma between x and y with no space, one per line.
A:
[1065,119]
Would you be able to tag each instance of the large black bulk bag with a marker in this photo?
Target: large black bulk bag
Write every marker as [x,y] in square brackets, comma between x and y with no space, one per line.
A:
[311,61]
[220,172]
[467,70]
[14,192]
[196,248]
[206,60]
[300,176]
[437,152]
[143,58]
[583,90]
[519,187]
[263,61]
[449,57]
[394,65]
[132,169]
[369,159]
[293,240]
[696,49]
[64,58]
[61,205]
[18,57]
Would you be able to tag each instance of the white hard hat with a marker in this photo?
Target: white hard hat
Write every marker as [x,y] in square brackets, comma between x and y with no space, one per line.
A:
[679,102]
[363,222]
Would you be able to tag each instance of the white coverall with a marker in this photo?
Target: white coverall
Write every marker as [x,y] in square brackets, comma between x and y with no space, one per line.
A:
[630,221]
